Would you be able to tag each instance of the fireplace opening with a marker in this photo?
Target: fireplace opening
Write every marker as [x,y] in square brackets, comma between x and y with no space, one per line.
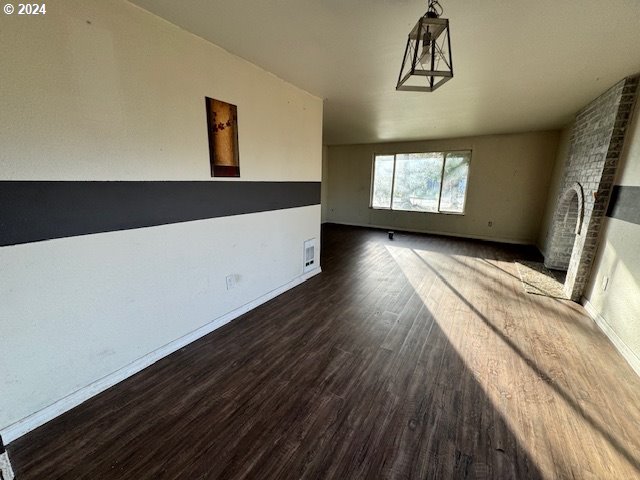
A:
[569,228]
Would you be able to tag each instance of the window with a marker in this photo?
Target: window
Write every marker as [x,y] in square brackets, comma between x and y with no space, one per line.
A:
[421,182]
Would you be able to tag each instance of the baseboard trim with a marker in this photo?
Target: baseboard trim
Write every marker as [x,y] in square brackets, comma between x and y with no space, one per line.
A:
[628,354]
[33,421]
[436,232]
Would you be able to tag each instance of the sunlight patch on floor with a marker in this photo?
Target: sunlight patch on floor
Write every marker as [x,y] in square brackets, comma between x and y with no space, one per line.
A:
[488,349]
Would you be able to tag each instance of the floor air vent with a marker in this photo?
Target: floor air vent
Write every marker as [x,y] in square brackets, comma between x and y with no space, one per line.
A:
[309,255]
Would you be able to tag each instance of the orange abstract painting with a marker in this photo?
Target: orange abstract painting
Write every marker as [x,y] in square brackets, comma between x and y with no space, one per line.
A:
[222,125]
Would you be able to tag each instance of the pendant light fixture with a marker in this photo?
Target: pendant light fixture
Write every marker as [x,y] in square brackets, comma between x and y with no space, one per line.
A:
[427,62]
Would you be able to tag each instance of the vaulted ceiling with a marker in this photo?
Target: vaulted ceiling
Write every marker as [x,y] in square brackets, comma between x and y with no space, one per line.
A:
[520,65]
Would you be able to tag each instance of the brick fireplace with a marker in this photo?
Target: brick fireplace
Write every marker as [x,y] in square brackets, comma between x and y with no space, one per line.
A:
[596,143]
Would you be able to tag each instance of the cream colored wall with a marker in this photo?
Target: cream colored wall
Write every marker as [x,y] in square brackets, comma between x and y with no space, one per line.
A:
[618,260]
[122,98]
[554,188]
[508,184]
[99,90]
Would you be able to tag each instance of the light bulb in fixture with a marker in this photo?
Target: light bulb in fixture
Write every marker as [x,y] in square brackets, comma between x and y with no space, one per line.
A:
[425,54]
[427,37]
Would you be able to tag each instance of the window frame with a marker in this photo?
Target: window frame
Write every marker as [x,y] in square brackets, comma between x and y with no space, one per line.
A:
[445,153]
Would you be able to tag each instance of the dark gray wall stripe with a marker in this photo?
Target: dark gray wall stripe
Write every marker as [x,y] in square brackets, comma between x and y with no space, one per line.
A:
[625,204]
[31,211]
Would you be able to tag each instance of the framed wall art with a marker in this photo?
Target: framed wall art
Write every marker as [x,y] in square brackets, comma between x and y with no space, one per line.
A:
[222,126]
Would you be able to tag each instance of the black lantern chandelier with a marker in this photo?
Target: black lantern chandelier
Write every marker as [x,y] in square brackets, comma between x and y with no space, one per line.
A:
[427,62]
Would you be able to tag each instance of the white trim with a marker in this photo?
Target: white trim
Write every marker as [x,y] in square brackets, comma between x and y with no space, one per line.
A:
[21,427]
[632,359]
[434,232]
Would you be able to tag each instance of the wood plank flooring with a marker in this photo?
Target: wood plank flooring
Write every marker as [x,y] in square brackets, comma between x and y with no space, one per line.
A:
[415,358]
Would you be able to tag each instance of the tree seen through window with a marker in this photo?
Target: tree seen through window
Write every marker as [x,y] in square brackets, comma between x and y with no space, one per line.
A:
[422,182]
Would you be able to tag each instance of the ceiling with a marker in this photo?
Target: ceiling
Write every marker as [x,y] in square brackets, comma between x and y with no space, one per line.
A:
[520,65]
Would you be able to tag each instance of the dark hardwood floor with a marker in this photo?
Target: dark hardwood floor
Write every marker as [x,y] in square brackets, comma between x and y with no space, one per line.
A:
[415,358]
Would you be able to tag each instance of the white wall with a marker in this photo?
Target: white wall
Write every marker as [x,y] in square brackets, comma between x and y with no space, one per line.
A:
[618,260]
[99,90]
[508,184]
[554,189]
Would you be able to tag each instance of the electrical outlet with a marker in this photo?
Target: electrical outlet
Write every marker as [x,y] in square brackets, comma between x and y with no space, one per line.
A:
[490,223]
[231,282]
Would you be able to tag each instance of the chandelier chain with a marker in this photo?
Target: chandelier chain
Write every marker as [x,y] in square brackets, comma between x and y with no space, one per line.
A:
[435,8]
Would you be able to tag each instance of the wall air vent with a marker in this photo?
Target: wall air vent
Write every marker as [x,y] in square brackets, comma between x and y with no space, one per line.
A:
[309,255]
